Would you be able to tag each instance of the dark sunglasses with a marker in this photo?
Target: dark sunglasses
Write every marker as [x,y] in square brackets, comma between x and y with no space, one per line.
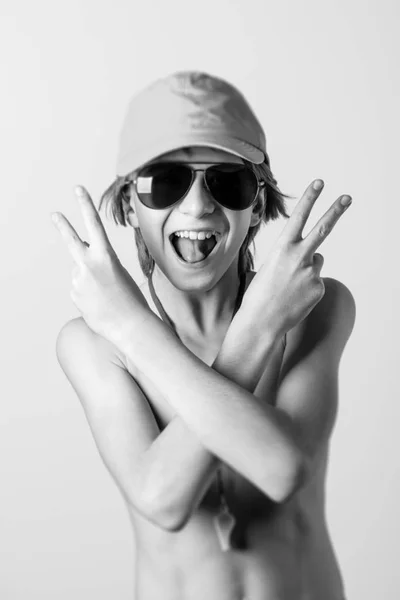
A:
[161,185]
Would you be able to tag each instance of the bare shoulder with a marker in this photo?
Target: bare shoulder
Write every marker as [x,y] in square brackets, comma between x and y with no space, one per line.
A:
[73,334]
[76,334]
[337,307]
[72,328]
[329,324]
[338,288]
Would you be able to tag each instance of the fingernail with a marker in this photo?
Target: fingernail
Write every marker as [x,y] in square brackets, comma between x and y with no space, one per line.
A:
[318,184]
[346,201]
[54,217]
[79,191]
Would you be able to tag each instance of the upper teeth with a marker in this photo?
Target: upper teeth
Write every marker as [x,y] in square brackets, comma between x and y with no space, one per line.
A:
[195,235]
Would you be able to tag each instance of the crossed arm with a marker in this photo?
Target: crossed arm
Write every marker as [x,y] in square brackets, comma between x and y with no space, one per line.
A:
[177,468]
[219,416]
[275,447]
[163,474]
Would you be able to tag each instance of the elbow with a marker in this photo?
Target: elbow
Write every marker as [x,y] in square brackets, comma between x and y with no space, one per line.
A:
[290,480]
[163,516]
[164,520]
[174,524]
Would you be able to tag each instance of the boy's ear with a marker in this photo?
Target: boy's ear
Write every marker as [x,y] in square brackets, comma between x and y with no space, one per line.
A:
[130,217]
[258,209]
[129,213]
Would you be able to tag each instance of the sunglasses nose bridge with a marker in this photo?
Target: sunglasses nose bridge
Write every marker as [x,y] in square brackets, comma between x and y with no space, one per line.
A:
[197,200]
[200,174]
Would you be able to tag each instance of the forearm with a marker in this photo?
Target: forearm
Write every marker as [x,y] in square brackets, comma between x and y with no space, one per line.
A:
[177,468]
[176,471]
[244,356]
[216,409]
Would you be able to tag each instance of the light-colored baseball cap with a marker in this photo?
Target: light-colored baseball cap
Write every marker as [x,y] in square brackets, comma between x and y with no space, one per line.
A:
[188,108]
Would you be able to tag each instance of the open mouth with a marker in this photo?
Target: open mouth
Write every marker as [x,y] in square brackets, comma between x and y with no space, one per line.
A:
[194,247]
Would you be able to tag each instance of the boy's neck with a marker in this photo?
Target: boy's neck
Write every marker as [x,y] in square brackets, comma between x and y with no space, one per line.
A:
[200,314]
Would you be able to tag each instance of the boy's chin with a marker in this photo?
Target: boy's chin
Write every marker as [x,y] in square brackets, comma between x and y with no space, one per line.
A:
[189,279]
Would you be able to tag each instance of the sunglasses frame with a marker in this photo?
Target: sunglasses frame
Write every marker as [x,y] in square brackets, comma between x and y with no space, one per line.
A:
[260,184]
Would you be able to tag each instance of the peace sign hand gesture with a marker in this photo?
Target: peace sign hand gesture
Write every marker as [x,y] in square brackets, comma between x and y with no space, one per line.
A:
[102,290]
[288,285]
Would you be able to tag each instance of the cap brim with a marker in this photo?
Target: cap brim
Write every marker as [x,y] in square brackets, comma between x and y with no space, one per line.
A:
[131,161]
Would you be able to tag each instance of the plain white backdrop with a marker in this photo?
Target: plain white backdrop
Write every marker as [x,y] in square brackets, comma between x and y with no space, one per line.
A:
[323,79]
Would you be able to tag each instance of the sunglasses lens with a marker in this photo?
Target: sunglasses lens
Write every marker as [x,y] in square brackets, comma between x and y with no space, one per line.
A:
[161,185]
[232,185]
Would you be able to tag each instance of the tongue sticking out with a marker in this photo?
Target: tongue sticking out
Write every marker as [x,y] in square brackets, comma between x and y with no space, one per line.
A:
[193,251]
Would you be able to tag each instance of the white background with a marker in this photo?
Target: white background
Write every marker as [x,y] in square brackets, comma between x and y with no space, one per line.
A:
[323,79]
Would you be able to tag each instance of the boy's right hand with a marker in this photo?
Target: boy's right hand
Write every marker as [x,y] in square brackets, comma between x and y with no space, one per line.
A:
[288,285]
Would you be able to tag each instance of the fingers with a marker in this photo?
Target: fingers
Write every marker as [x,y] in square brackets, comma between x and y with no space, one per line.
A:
[325,225]
[294,227]
[93,223]
[74,243]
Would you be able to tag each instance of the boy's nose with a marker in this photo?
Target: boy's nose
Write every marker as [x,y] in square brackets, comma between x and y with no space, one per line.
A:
[198,201]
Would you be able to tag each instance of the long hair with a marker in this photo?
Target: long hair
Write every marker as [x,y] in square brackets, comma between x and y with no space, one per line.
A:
[272,205]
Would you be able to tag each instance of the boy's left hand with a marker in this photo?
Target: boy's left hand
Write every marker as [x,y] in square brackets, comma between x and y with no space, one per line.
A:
[102,289]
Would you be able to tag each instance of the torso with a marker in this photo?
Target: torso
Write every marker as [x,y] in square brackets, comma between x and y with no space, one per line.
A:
[280,551]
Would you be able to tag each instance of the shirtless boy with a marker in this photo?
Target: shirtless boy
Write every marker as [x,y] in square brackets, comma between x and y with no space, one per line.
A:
[211,390]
